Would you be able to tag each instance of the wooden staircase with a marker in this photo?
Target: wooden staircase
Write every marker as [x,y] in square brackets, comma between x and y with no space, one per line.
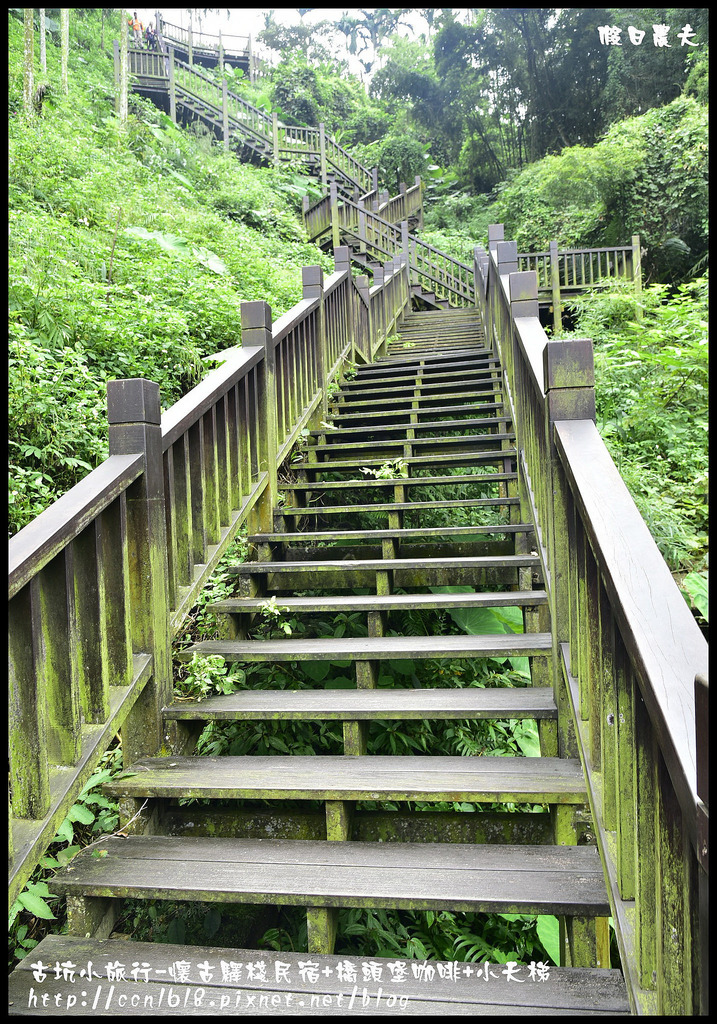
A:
[437,508]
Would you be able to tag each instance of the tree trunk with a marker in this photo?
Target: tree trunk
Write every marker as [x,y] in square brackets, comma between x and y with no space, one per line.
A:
[29,62]
[43,41]
[123,74]
[65,44]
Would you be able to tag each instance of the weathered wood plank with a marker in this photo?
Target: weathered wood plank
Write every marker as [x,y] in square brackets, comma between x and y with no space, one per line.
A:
[339,985]
[367,648]
[347,777]
[525,879]
[380,564]
[388,602]
[388,703]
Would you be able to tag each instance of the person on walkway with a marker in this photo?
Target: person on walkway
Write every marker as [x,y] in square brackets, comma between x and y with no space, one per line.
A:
[136,25]
[150,37]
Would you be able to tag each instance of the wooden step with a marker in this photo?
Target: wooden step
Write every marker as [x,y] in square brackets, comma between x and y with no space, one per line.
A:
[388,648]
[399,481]
[342,428]
[394,506]
[549,780]
[566,880]
[397,533]
[387,602]
[434,460]
[225,982]
[347,565]
[384,704]
[446,443]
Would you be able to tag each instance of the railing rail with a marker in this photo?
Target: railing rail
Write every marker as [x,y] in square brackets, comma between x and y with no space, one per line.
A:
[627,648]
[101,581]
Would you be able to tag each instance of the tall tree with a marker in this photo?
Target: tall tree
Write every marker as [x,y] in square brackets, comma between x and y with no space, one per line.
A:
[65,45]
[29,60]
[123,71]
[43,41]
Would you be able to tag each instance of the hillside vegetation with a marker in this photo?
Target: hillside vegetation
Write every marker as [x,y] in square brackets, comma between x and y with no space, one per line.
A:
[130,253]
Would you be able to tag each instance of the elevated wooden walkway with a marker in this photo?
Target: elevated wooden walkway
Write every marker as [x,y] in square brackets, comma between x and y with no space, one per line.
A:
[457,471]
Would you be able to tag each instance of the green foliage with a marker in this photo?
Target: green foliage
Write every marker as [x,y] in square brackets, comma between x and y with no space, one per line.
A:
[130,253]
[92,815]
[651,395]
[648,176]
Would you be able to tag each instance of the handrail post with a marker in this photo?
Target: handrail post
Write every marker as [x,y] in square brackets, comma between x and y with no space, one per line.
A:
[275,136]
[362,225]
[637,274]
[374,179]
[322,154]
[555,287]
[569,385]
[335,227]
[342,263]
[250,61]
[225,114]
[134,418]
[172,87]
[220,54]
[312,279]
[256,331]
[190,47]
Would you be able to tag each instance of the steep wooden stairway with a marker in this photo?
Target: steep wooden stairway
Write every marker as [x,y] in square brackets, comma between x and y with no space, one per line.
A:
[409,488]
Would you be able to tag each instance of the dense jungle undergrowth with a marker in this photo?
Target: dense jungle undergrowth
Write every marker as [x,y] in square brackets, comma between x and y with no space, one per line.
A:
[130,252]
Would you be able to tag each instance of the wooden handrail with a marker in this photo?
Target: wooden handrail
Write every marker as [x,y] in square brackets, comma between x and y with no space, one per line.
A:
[626,648]
[101,581]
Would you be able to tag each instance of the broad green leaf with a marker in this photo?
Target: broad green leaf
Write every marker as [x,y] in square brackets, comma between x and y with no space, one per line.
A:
[549,934]
[82,814]
[697,586]
[36,905]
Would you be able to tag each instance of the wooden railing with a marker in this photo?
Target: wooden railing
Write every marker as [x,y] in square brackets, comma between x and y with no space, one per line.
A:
[219,46]
[101,581]
[627,649]
[564,272]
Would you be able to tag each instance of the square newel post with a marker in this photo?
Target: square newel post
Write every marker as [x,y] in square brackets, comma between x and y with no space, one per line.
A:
[225,114]
[220,53]
[637,274]
[569,386]
[406,251]
[362,287]
[312,279]
[342,264]
[190,46]
[362,226]
[250,61]
[172,87]
[374,179]
[555,287]
[323,171]
[275,137]
[496,233]
[134,416]
[256,331]
[334,205]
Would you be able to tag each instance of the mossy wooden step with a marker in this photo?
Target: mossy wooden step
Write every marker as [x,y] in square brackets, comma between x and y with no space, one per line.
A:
[219,981]
[434,460]
[565,880]
[383,704]
[394,506]
[426,371]
[383,648]
[350,428]
[549,780]
[490,390]
[399,481]
[473,441]
[416,380]
[376,535]
[419,393]
[347,417]
[347,603]
[382,564]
